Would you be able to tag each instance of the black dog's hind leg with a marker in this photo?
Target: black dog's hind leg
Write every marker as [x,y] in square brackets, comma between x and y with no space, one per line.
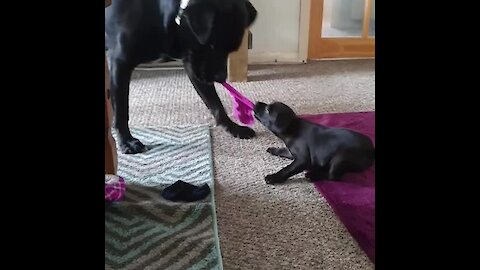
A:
[280,152]
[317,174]
[290,170]
[209,96]
[120,74]
[337,167]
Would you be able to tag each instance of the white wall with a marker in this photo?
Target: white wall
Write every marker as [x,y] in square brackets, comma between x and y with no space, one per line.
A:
[276,31]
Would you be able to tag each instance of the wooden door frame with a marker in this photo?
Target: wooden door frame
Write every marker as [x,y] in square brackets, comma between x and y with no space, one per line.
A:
[237,66]
[338,47]
[111,160]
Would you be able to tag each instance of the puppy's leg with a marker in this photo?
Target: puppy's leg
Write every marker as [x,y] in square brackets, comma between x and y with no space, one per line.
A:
[337,168]
[120,73]
[317,174]
[280,152]
[209,96]
[297,166]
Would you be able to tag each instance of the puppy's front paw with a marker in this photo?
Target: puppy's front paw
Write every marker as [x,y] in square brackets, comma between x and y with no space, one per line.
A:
[273,178]
[272,150]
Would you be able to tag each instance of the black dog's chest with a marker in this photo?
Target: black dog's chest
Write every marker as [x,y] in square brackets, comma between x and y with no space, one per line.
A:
[140,34]
[154,45]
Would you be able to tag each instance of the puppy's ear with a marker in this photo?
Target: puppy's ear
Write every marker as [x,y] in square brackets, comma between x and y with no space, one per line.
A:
[200,20]
[252,13]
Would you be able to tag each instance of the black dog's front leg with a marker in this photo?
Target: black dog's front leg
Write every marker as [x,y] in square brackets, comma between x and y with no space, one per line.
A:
[120,74]
[209,96]
[290,170]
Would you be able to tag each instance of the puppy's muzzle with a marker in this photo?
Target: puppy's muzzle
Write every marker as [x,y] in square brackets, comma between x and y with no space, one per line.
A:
[259,109]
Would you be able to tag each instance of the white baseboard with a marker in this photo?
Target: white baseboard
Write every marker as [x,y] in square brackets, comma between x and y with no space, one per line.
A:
[274,58]
[154,65]
[253,58]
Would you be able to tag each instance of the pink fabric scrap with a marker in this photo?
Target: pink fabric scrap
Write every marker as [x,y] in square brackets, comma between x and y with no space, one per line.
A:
[114,187]
[242,106]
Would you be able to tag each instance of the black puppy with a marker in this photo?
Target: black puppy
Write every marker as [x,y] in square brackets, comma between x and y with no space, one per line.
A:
[325,153]
[200,32]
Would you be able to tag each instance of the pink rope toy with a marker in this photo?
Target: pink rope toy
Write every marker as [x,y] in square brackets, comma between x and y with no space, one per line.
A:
[114,187]
[242,106]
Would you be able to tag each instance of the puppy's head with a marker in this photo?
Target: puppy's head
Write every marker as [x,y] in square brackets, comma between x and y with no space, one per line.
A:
[211,30]
[276,116]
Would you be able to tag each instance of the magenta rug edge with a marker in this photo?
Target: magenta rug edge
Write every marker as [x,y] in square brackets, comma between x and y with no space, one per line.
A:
[332,113]
[368,251]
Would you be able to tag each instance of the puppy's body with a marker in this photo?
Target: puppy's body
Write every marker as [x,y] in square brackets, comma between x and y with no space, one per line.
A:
[325,153]
[201,33]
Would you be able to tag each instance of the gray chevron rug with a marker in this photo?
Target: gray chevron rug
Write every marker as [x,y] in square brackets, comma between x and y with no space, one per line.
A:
[145,231]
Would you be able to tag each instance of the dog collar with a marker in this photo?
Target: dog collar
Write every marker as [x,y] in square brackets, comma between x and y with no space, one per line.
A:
[183,6]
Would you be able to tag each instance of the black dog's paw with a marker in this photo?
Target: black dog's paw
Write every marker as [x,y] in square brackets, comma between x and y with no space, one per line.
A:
[241,132]
[273,178]
[132,146]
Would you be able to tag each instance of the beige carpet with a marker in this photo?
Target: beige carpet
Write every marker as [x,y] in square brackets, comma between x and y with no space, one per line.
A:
[261,226]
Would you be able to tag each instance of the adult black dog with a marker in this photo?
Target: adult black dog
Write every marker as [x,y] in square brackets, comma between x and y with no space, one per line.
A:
[200,32]
[325,153]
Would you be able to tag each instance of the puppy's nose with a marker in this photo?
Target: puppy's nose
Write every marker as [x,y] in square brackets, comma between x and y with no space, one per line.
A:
[259,106]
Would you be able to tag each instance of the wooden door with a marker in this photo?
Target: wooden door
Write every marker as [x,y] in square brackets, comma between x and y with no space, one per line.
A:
[342,29]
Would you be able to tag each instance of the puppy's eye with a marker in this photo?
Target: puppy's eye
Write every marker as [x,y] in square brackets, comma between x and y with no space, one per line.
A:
[212,47]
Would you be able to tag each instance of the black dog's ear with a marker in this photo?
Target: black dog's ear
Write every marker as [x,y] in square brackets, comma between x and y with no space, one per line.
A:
[252,13]
[200,20]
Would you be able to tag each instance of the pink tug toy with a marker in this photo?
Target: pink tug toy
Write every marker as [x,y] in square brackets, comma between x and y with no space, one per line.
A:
[242,106]
[114,187]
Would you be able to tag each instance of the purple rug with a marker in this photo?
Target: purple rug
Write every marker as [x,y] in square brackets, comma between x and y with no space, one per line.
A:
[352,198]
